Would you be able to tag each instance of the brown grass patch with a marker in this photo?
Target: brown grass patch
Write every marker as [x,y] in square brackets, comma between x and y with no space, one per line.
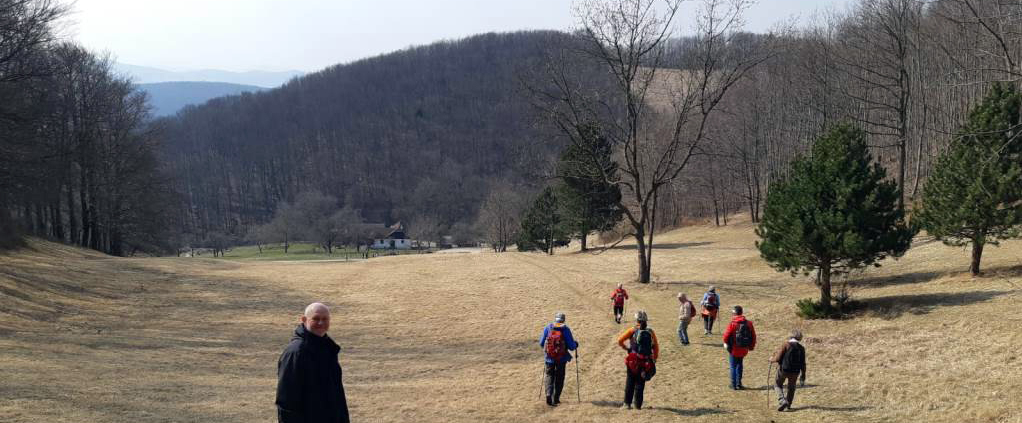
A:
[85,337]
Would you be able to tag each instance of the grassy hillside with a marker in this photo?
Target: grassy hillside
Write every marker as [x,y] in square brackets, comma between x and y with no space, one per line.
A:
[453,337]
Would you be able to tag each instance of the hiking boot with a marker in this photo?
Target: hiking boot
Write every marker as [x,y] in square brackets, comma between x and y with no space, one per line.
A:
[784,405]
[549,401]
[557,401]
[740,387]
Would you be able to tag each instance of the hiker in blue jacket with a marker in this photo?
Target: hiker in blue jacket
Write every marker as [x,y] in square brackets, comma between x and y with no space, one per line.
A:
[556,342]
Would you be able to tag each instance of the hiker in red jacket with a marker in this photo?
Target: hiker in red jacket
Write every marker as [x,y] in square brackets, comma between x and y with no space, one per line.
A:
[619,297]
[739,339]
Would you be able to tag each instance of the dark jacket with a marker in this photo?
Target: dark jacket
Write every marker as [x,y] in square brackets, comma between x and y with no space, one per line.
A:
[309,388]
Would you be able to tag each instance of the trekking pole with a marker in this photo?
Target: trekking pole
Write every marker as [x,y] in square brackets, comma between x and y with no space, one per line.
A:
[769,368]
[542,384]
[578,386]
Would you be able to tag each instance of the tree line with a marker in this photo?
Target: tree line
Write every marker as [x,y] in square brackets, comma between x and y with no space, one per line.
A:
[420,136]
[78,160]
[709,124]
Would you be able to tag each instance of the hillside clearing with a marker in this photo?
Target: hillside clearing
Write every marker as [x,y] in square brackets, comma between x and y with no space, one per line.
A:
[452,337]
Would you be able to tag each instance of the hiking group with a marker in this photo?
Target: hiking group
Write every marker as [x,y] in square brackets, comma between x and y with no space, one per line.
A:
[643,349]
[310,387]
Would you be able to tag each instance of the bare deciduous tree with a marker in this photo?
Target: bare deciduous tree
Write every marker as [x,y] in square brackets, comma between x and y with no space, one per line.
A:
[658,118]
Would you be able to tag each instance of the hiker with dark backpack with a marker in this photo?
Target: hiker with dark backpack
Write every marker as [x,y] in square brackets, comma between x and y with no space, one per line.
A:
[791,362]
[739,339]
[640,363]
[710,303]
[618,297]
[556,342]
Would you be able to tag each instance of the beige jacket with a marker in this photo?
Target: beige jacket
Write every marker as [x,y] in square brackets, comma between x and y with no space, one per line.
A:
[687,311]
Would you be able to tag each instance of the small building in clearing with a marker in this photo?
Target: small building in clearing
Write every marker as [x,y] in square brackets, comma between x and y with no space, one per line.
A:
[395,239]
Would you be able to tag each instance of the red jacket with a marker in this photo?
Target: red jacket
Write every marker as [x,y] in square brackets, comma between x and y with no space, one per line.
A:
[619,300]
[731,329]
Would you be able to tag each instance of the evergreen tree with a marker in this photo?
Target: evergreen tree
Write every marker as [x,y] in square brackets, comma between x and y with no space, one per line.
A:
[835,212]
[589,201]
[542,225]
[974,195]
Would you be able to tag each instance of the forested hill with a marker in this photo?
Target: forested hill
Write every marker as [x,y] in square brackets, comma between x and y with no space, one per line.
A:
[166,98]
[419,131]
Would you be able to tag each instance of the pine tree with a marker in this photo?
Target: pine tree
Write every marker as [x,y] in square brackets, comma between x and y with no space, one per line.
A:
[835,212]
[542,225]
[974,195]
[589,201]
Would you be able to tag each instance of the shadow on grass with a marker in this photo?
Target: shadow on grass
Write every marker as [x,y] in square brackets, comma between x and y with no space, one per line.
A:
[893,280]
[825,408]
[893,306]
[1004,271]
[667,246]
[605,403]
[695,412]
[923,277]
[681,412]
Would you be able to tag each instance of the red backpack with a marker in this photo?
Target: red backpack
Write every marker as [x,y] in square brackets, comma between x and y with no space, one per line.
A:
[556,348]
[619,297]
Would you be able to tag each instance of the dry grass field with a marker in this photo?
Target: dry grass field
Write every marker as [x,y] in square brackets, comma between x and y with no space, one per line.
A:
[453,337]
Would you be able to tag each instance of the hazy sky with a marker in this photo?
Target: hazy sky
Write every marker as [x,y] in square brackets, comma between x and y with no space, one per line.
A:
[308,35]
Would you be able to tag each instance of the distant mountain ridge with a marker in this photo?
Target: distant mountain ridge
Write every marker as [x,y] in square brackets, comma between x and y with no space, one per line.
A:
[147,75]
[167,98]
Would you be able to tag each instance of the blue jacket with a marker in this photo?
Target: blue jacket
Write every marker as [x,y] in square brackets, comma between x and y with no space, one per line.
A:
[569,341]
[714,303]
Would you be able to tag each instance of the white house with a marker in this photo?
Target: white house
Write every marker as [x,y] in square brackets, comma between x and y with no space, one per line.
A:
[395,240]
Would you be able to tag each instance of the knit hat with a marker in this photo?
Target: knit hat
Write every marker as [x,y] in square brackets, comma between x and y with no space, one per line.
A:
[559,317]
[640,316]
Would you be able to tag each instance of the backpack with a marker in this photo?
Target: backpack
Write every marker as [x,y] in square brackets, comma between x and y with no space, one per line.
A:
[794,359]
[711,301]
[556,348]
[743,335]
[641,365]
[619,297]
[642,342]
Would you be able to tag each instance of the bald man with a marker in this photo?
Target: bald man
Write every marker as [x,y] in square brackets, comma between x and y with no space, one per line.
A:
[309,388]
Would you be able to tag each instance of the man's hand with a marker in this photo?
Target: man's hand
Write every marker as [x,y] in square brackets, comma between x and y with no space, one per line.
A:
[725,345]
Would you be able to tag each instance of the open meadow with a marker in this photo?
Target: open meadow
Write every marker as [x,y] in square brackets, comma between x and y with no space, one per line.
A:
[453,337]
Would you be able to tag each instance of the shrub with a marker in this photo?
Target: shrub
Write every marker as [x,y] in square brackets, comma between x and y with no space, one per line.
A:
[811,309]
